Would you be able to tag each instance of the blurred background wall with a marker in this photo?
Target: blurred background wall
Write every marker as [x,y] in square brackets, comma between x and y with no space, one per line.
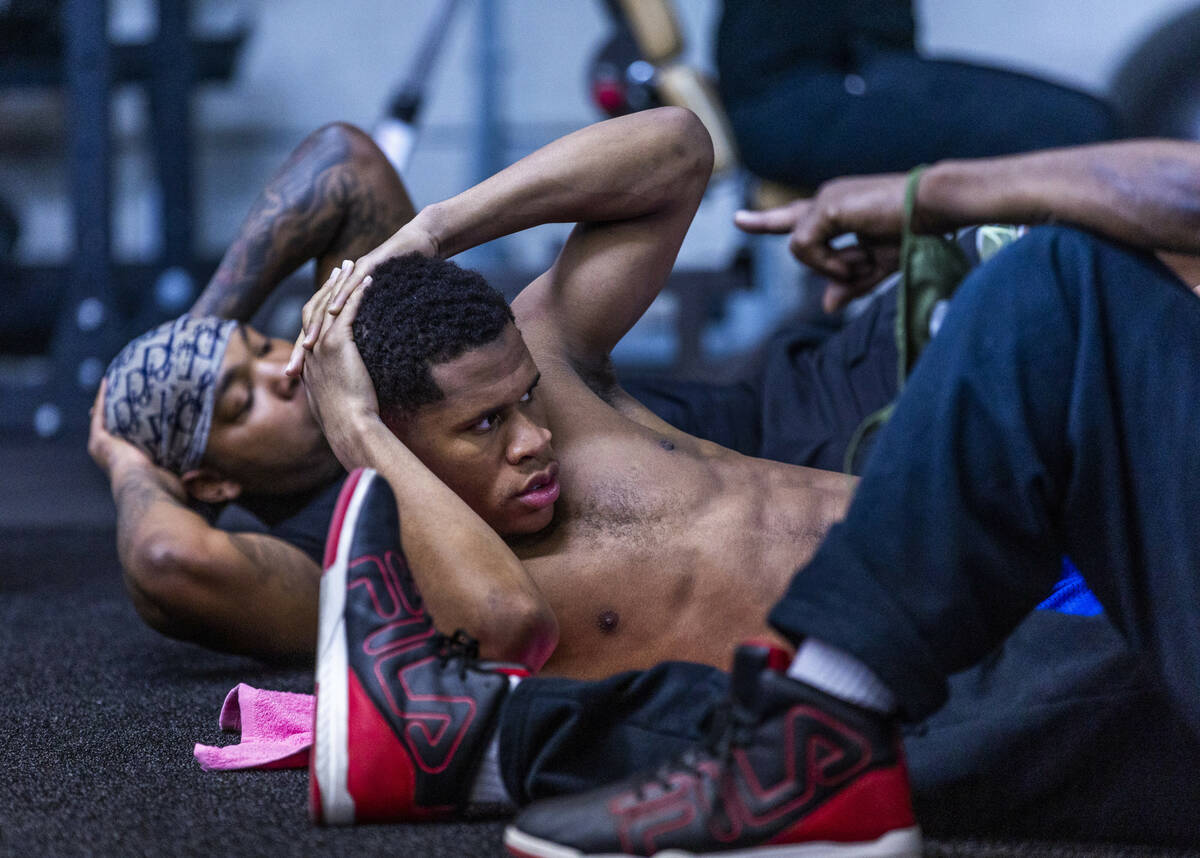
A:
[512,75]
[307,62]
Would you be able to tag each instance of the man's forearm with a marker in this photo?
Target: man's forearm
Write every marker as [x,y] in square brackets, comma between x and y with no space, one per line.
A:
[618,170]
[631,186]
[335,198]
[1145,193]
[244,593]
[146,504]
[152,519]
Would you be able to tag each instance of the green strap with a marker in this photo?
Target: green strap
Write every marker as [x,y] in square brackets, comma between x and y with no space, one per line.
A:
[873,421]
[906,252]
[931,267]
[910,196]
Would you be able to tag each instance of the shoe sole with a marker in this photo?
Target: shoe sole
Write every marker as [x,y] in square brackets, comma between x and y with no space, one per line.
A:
[330,800]
[901,843]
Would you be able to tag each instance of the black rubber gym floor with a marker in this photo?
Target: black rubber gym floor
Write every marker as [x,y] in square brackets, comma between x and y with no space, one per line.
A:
[98,714]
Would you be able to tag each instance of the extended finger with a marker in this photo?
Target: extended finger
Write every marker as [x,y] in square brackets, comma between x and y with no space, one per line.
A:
[317,321]
[295,364]
[309,312]
[350,310]
[777,220]
[343,282]
[354,292]
[97,410]
[313,314]
[359,277]
[339,326]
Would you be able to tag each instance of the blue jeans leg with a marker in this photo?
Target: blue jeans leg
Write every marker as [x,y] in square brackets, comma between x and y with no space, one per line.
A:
[1057,412]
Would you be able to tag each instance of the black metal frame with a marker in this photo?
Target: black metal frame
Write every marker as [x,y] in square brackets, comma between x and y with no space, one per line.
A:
[85,328]
[102,306]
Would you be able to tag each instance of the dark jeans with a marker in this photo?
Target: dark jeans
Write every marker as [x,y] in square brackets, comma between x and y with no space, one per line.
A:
[805,128]
[1055,413]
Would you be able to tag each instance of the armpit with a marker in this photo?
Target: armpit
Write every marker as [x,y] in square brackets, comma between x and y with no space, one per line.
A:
[600,378]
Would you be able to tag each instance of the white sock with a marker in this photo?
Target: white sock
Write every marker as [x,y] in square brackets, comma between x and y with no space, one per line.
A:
[836,672]
[488,787]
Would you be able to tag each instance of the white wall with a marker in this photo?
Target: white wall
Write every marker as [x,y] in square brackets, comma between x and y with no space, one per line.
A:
[312,61]
[1076,42]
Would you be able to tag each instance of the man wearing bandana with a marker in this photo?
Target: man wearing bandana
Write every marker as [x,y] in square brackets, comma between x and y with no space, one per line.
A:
[176,453]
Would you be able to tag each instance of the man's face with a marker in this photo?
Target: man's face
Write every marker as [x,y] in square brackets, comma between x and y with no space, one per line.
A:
[263,435]
[487,439]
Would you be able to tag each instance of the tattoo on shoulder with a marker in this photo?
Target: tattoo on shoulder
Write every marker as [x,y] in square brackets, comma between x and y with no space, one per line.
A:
[316,198]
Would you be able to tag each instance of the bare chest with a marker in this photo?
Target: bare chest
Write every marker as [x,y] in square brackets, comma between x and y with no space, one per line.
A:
[661,553]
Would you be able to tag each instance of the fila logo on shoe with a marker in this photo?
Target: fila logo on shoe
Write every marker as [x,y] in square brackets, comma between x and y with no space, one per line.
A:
[431,723]
[830,755]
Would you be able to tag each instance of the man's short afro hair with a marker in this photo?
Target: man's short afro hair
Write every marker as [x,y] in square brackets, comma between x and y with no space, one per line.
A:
[418,312]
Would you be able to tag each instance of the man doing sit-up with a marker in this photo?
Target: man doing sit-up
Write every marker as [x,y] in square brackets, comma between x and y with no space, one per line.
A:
[548,513]
[529,485]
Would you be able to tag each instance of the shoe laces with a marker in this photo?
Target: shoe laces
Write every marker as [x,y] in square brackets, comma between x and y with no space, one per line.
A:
[732,727]
[461,648]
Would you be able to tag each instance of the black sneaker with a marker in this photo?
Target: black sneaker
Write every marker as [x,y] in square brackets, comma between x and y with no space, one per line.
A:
[788,771]
[403,713]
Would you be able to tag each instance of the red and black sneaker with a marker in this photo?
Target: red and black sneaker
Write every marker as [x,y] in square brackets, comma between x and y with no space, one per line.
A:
[403,713]
[788,771]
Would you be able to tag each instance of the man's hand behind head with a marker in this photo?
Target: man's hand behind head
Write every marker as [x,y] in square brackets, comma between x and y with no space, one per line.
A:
[104,447]
[339,389]
[350,277]
[114,454]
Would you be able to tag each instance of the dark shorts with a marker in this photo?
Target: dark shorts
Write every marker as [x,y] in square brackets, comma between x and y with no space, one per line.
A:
[1062,734]
[814,390]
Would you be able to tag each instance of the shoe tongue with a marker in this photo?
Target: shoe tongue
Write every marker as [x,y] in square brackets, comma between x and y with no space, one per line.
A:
[749,662]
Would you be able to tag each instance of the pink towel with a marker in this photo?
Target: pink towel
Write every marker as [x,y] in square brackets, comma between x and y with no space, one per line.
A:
[276,729]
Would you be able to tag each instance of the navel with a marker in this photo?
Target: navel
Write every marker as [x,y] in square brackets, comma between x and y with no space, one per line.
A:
[607,621]
[665,444]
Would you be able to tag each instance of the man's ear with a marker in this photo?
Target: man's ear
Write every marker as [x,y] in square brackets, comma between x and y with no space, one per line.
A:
[205,484]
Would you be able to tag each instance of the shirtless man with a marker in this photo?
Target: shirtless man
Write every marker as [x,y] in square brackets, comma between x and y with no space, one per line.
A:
[624,558]
[629,574]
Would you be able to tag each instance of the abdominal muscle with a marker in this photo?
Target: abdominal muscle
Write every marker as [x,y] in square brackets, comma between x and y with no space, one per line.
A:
[673,552]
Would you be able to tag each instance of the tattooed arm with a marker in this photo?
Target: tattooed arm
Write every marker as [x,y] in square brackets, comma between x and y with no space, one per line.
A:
[335,198]
[238,592]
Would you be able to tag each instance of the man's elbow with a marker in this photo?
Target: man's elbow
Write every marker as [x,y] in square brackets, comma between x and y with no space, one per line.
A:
[157,579]
[355,148]
[522,630]
[341,140]
[691,143]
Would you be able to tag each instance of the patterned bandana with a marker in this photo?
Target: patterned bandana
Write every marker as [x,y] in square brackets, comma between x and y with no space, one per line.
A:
[161,389]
